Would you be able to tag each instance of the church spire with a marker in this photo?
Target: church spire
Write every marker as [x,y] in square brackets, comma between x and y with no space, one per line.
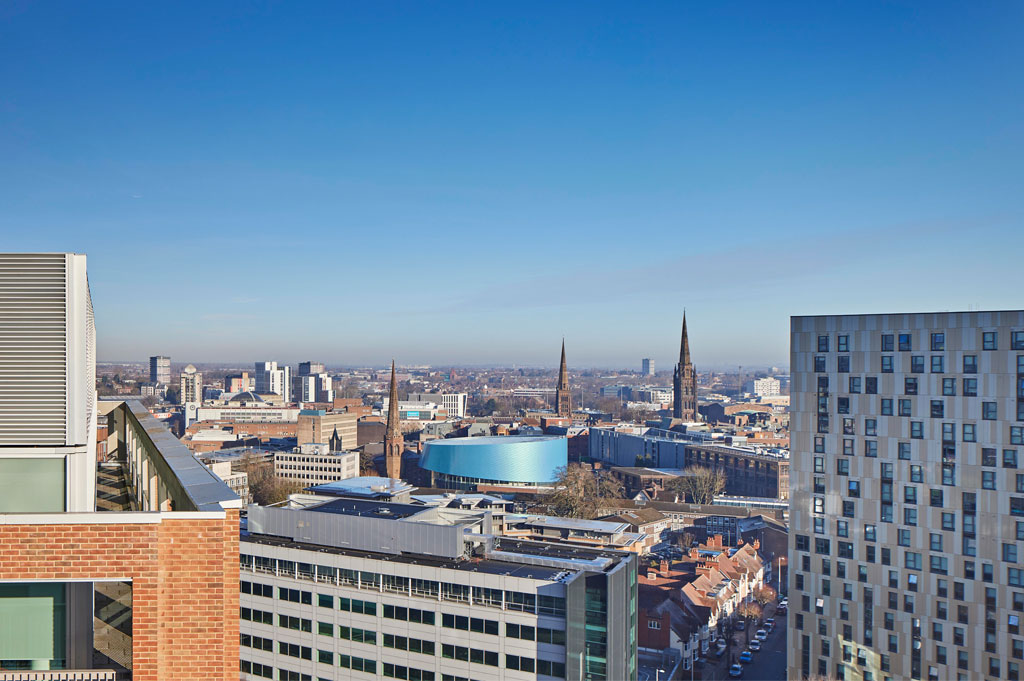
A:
[684,345]
[393,443]
[563,400]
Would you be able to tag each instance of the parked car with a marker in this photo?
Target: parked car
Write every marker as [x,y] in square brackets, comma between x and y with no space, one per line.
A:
[746,656]
[736,671]
[720,650]
[769,624]
[740,625]
[784,602]
[760,634]
[754,645]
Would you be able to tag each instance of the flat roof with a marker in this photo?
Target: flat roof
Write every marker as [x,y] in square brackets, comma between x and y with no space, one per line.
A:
[367,486]
[573,523]
[365,508]
[486,565]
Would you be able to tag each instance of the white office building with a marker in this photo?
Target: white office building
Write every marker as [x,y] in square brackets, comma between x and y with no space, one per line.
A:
[270,379]
[355,588]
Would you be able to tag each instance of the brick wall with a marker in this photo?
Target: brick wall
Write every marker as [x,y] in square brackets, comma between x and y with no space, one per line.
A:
[184,575]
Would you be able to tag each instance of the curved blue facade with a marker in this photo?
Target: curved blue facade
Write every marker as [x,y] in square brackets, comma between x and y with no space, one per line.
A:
[531,460]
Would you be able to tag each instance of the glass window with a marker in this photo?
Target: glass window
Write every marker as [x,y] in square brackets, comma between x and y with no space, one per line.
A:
[970,387]
[938,364]
[1017,340]
[855,383]
[822,343]
[886,364]
[938,341]
[970,432]
[1009,458]
[988,479]
[989,411]
[32,485]
[844,364]
[871,385]
[887,342]
[819,364]
[917,364]
[989,340]
[970,364]
[905,342]
[843,343]
[910,385]
[949,387]
[905,405]
[886,406]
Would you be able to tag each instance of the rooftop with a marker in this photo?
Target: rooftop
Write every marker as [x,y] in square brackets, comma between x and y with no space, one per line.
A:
[369,486]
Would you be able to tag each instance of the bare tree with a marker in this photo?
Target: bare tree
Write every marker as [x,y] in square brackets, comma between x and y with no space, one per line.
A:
[765,595]
[700,483]
[580,492]
[749,610]
[264,486]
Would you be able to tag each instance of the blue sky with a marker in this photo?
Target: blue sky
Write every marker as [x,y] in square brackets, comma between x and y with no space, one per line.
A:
[469,182]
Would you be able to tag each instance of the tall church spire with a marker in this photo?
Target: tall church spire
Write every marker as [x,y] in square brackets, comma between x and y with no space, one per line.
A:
[393,442]
[684,383]
[563,399]
[684,345]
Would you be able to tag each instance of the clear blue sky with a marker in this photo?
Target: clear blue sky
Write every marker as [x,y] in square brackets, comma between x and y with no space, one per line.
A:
[467,183]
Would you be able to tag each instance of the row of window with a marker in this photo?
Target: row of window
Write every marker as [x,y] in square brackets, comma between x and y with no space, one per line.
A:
[360,579]
[989,341]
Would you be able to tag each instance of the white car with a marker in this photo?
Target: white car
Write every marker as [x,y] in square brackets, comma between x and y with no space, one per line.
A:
[761,634]
[736,671]
[754,645]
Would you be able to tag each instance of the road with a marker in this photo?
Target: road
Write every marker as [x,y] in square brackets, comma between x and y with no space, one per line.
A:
[769,663]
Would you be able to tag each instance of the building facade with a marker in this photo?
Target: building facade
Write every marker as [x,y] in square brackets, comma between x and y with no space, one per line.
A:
[766,387]
[336,428]
[454,403]
[500,461]
[271,380]
[354,589]
[108,570]
[907,510]
[749,471]
[316,467]
[160,370]
[647,366]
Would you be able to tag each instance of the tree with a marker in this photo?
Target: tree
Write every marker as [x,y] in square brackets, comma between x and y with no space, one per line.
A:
[265,487]
[700,483]
[366,466]
[685,540]
[764,595]
[749,610]
[580,492]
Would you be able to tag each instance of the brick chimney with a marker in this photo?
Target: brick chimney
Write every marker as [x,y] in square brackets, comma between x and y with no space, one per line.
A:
[663,568]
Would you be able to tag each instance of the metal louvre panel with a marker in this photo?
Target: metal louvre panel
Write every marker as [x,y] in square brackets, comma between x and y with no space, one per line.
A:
[33,349]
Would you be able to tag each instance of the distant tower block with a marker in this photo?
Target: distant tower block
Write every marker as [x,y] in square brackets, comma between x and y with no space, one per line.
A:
[647,366]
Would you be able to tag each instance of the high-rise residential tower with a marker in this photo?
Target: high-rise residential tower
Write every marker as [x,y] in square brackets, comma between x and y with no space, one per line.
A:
[271,380]
[393,441]
[563,396]
[160,369]
[906,500]
[684,383]
[647,366]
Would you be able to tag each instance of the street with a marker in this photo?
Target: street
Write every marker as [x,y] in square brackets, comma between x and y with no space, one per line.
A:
[769,664]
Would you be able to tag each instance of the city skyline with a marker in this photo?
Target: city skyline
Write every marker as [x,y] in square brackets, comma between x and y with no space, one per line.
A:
[498,182]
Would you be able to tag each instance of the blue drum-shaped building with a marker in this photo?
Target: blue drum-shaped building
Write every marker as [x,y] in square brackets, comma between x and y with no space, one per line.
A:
[488,462]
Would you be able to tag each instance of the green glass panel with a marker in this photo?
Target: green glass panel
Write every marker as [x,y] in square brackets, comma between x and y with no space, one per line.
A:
[31,485]
[32,624]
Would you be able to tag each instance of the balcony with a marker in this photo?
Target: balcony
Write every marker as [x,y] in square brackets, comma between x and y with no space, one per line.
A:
[117,573]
